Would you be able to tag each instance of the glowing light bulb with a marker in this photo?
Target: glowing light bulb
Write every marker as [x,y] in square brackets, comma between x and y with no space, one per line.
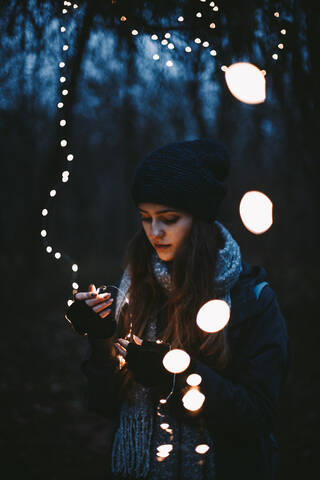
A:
[43,233]
[215,9]
[213,53]
[193,399]
[155,56]
[212,25]
[63,143]
[171,46]
[194,380]
[176,361]
[280,45]
[154,37]
[49,249]
[198,14]
[275,56]
[75,285]
[134,32]
[62,79]
[64,92]
[60,105]
[65,173]
[65,48]
[65,179]
[180,19]
[276,14]
[63,123]
[167,35]
[62,64]
[246,82]
[213,316]
[44,212]
[75,267]
[164,426]
[62,29]
[169,63]
[167,447]
[256,212]
[224,68]
[212,4]
[188,49]
[64,11]
[164,42]
[53,193]
[283,31]
[69,303]
[205,44]
[163,400]
[70,157]
[202,448]
[197,40]
[123,18]
[75,6]
[57,255]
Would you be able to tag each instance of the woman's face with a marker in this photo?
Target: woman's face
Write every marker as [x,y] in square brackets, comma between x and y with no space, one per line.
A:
[165,227]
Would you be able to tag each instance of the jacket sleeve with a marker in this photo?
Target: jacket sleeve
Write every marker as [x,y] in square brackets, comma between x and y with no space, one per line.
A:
[102,380]
[248,405]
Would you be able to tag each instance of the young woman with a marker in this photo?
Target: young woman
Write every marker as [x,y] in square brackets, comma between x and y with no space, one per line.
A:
[181,258]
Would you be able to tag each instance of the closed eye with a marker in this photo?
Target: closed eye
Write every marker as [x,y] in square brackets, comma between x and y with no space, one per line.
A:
[165,220]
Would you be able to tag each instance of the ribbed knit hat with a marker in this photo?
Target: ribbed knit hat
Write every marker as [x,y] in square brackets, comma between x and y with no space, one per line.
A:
[187,175]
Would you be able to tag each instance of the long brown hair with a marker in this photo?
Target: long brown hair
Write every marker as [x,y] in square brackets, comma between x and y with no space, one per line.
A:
[192,275]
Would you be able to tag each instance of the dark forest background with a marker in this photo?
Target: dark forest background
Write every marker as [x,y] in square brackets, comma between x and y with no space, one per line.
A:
[121,104]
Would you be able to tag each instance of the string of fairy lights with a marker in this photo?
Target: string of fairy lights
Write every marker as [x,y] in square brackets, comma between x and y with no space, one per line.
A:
[256,209]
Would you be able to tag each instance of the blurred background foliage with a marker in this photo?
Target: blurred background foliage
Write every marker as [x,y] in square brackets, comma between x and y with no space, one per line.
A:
[121,104]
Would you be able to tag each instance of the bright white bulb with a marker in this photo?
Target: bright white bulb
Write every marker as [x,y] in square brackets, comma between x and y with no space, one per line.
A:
[197,40]
[65,179]
[167,35]
[65,173]
[213,316]
[212,4]
[164,426]
[212,25]
[60,105]
[155,56]
[215,9]
[134,32]
[75,285]
[64,92]
[63,143]
[194,380]
[224,68]
[64,11]
[283,31]
[63,123]
[246,82]
[164,42]
[188,49]
[69,303]
[180,19]
[70,157]
[280,45]
[75,267]
[154,37]
[75,6]
[169,63]
[176,361]
[256,212]
[43,233]
[205,44]
[57,255]
[199,14]
[49,249]
[213,53]
[171,46]
[65,48]
[44,212]
[193,399]
[62,64]
[163,400]
[62,79]
[165,448]
[275,56]
[62,29]
[53,193]
[277,14]
[202,448]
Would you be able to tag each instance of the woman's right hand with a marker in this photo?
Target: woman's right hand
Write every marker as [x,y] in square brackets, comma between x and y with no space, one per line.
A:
[98,302]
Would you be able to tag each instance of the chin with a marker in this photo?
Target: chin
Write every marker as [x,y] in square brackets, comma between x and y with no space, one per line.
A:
[165,257]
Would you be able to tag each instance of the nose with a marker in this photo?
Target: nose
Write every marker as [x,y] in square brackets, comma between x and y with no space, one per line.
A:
[156,230]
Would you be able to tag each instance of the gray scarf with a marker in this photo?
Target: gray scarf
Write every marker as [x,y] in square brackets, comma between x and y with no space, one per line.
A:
[139,432]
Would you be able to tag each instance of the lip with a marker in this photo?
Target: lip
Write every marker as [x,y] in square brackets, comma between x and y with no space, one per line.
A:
[161,246]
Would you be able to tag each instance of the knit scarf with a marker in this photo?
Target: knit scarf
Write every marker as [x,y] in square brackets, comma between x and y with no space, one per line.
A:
[139,432]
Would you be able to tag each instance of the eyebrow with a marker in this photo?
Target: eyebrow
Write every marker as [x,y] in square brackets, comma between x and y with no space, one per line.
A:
[159,211]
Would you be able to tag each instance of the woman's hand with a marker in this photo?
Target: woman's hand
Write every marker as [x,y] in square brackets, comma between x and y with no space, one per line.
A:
[122,345]
[98,302]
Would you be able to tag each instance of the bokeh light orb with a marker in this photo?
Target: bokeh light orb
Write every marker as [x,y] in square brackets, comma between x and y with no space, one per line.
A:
[194,380]
[256,212]
[202,448]
[213,316]
[193,399]
[246,82]
[176,361]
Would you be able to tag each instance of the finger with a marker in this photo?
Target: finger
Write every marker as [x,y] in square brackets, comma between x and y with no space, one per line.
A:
[92,288]
[84,295]
[97,299]
[121,350]
[102,306]
[137,340]
[123,342]
[105,313]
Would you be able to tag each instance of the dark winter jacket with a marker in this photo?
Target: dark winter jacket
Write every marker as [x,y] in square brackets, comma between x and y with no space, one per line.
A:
[242,404]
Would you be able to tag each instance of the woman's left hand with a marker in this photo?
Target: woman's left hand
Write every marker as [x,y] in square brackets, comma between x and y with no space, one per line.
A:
[122,345]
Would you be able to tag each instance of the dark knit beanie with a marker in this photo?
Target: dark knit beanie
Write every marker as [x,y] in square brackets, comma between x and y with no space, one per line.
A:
[187,175]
